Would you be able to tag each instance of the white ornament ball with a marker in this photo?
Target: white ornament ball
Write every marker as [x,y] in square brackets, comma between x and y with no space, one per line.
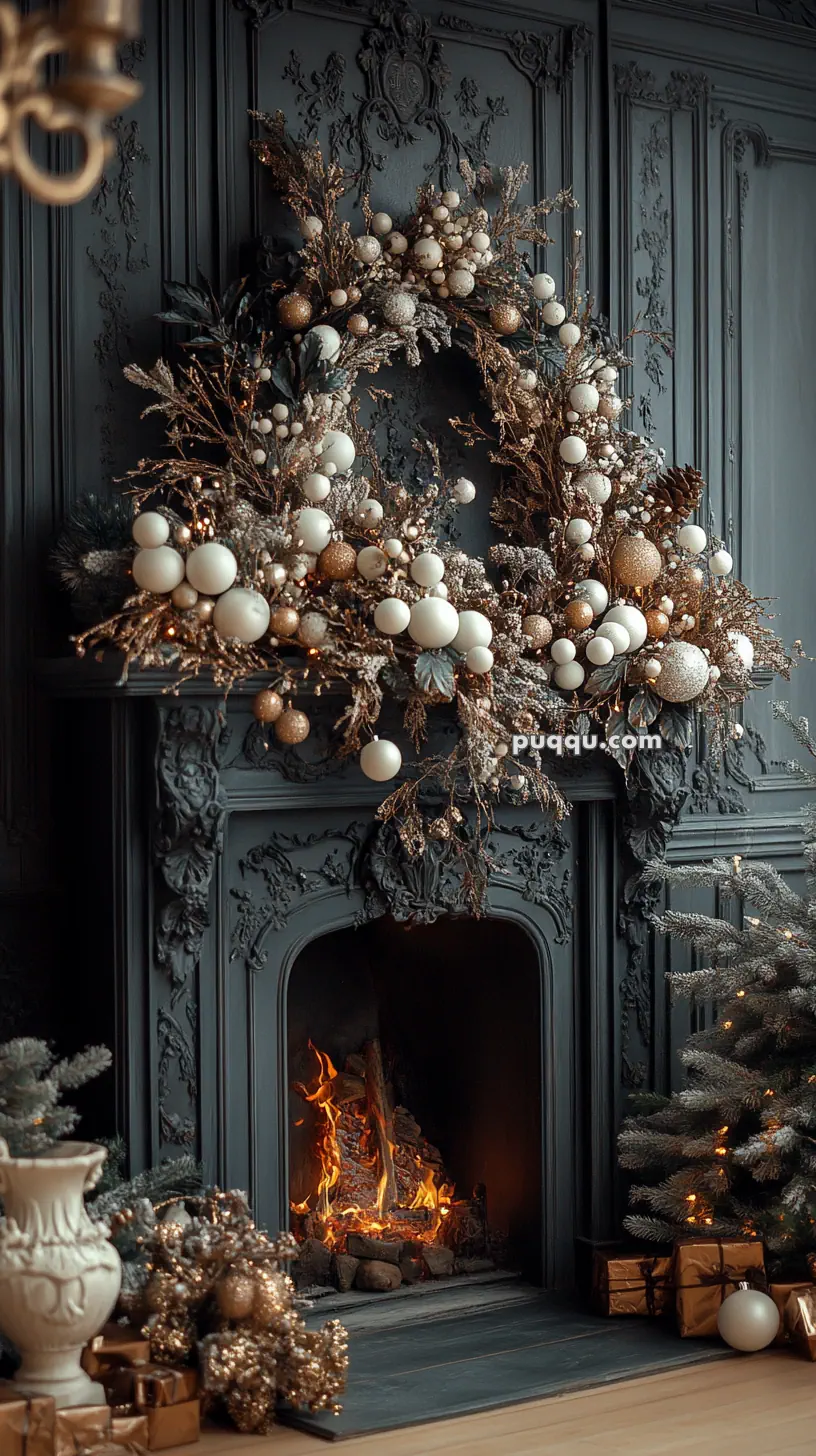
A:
[313,629]
[369,513]
[570,335]
[479,660]
[464,491]
[399,309]
[586,552]
[372,563]
[692,538]
[150,529]
[330,341]
[158,568]
[683,672]
[553,313]
[474,631]
[595,486]
[428,254]
[714,674]
[616,634]
[280,412]
[742,648]
[241,613]
[338,450]
[392,547]
[528,379]
[381,224]
[367,249]
[391,616]
[720,563]
[380,760]
[569,675]
[600,651]
[440,590]
[434,622]
[451,198]
[397,243]
[652,666]
[583,397]
[211,568]
[572,450]
[460,283]
[427,569]
[310,228]
[543,287]
[316,487]
[578,531]
[480,242]
[595,593]
[258,457]
[634,622]
[313,529]
[748,1320]
[562,650]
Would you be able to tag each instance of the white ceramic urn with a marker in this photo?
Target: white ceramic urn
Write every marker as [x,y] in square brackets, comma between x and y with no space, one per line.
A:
[59,1272]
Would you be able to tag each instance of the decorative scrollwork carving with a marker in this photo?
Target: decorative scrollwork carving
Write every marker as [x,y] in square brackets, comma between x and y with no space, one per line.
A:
[546,59]
[657,792]
[188,838]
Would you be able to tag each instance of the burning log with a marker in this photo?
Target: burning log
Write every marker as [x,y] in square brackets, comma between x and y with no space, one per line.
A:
[383,1119]
[343,1271]
[363,1247]
[373,1274]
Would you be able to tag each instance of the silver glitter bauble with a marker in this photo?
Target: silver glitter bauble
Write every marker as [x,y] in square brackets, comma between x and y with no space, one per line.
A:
[399,309]
[683,674]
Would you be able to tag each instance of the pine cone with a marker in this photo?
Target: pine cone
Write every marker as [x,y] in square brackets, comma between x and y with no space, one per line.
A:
[680,489]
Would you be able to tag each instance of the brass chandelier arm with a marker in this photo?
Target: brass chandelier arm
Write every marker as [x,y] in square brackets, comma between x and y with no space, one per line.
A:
[92,89]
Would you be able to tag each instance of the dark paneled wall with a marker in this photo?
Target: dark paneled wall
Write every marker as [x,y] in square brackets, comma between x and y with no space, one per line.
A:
[687,131]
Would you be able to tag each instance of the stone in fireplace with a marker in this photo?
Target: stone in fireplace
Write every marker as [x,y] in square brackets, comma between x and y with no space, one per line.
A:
[414,1061]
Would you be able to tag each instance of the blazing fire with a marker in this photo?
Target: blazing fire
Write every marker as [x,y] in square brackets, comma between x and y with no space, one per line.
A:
[371,1181]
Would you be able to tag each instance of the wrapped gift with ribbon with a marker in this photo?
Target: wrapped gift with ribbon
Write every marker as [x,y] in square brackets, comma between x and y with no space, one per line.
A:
[705,1272]
[81,1429]
[780,1294]
[156,1385]
[173,1425]
[26,1422]
[129,1430]
[800,1321]
[632,1283]
[114,1347]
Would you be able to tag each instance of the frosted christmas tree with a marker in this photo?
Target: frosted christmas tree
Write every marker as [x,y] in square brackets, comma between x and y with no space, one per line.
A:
[735,1150]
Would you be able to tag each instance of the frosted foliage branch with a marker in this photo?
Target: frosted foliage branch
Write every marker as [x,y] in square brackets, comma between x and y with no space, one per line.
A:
[32,1117]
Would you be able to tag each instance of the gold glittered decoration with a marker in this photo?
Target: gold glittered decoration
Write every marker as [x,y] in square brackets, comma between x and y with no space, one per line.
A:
[505,318]
[636,561]
[217,1287]
[337,561]
[292,727]
[294,311]
[578,615]
[267,706]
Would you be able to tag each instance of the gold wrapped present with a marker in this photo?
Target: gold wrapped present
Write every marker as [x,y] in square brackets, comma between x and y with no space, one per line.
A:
[79,1429]
[35,1436]
[130,1431]
[155,1385]
[173,1425]
[632,1283]
[780,1294]
[114,1346]
[800,1321]
[705,1272]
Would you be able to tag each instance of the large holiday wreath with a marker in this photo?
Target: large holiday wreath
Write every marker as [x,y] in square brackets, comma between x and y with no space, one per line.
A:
[274,545]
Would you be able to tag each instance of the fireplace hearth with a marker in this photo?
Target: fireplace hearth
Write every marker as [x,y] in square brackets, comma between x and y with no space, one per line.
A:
[415,1105]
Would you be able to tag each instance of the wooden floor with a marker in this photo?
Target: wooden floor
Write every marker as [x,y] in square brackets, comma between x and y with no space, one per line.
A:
[757,1405]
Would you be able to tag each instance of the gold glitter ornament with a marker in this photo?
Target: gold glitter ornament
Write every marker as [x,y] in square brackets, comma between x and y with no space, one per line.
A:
[358,325]
[578,615]
[636,561]
[505,318]
[657,623]
[337,561]
[538,630]
[284,621]
[294,311]
[235,1295]
[204,608]
[184,596]
[292,727]
[683,672]
[267,706]
[439,829]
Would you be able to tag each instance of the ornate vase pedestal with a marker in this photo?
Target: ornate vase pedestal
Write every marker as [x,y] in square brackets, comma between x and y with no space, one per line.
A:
[59,1272]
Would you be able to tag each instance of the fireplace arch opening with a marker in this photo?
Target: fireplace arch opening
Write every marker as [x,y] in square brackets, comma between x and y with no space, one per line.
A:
[414,1066]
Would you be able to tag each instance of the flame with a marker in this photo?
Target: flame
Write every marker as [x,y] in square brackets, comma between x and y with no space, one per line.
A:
[339,1219]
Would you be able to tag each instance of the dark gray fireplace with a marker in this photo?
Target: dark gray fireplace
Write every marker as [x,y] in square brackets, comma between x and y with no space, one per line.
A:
[236,901]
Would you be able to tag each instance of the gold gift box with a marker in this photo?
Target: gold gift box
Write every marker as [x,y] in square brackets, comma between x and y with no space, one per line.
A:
[632,1283]
[800,1321]
[705,1272]
[780,1294]
[26,1422]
